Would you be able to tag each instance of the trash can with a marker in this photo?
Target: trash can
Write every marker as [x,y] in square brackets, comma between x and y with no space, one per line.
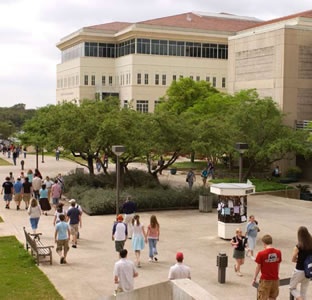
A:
[205,203]
[173,171]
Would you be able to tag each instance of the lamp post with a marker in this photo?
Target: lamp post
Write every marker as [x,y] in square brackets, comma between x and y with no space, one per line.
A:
[42,156]
[37,154]
[118,151]
[241,147]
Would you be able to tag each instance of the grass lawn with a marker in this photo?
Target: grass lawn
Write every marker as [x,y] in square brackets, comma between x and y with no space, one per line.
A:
[262,185]
[20,277]
[67,157]
[4,162]
[200,164]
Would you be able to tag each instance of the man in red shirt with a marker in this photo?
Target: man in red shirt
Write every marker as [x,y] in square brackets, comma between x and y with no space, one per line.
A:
[268,262]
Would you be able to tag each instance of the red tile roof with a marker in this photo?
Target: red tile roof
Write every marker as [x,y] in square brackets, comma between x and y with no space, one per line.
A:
[194,21]
[114,26]
[305,14]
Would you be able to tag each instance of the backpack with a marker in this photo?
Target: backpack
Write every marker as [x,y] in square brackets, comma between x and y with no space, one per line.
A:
[308,267]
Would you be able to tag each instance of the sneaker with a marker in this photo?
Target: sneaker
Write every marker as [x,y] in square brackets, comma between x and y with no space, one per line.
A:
[62,260]
[6,206]
[26,207]
[17,208]
[74,246]
[150,260]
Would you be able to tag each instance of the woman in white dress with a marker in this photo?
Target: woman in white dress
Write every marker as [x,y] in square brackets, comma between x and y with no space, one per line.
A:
[138,237]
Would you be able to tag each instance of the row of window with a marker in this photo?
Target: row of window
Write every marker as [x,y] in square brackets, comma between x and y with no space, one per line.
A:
[69,81]
[147,46]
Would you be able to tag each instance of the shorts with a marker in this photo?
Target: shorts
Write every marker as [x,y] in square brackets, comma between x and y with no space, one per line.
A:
[7,197]
[73,228]
[62,244]
[268,289]
[26,197]
[119,245]
[18,197]
[238,254]
[55,201]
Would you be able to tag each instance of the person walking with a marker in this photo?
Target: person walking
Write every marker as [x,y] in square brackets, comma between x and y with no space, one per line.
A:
[204,176]
[7,188]
[25,152]
[17,186]
[138,238]
[22,164]
[302,250]
[56,192]
[27,192]
[239,243]
[14,156]
[30,175]
[44,202]
[153,233]
[98,164]
[129,208]
[38,174]
[76,205]
[268,262]
[210,168]
[11,177]
[60,181]
[119,233]
[57,154]
[74,217]
[124,273]
[251,234]
[59,211]
[190,178]
[22,176]
[34,213]
[36,184]
[62,238]
[48,182]
[179,270]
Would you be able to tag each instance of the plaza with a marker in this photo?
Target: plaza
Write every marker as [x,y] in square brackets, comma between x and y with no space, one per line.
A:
[88,274]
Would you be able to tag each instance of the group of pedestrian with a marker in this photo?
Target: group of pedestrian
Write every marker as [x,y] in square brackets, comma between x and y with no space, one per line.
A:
[208,171]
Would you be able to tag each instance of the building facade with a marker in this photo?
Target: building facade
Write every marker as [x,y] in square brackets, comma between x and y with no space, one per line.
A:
[137,62]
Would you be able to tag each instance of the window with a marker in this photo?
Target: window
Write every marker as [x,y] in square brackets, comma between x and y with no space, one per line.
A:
[125,48]
[142,106]
[207,78]
[127,78]
[139,78]
[86,80]
[145,78]
[174,77]
[164,79]
[123,79]
[222,51]
[214,81]
[176,48]
[65,82]
[103,80]
[193,49]
[192,77]
[110,80]
[156,103]
[197,78]
[77,79]
[181,77]
[91,49]
[93,80]
[210,51]
[144,46]
[156,79]
[107,50]
[223,82]
[159,47]
[125,103]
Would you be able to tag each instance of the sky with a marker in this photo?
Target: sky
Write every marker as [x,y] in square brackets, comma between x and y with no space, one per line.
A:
[30,29]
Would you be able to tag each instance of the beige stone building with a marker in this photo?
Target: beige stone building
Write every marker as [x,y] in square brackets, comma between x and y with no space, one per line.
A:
[138,61]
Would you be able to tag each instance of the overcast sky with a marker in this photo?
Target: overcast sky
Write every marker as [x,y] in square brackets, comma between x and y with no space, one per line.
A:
[29,30]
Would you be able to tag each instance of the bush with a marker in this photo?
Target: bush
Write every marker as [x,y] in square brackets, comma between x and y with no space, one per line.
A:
[293,172]
[99,201]
[133,178]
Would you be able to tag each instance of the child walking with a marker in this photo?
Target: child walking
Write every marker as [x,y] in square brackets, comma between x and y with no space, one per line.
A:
[153,233]
[138,237]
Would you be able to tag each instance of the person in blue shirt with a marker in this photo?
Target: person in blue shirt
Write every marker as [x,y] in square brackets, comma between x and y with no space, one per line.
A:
[62,237]
[17,188]
[44,201]
[204,176]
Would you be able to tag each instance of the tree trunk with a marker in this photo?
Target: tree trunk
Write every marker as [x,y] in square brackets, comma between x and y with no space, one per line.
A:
[192,157]
[246,175]
[90,164]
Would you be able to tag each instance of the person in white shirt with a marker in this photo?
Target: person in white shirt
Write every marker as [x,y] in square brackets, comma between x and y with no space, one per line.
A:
[36,184]
[119,234]
[179,270]
[124,273]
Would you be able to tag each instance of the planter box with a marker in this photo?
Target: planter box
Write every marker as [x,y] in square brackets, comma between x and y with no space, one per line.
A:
[173,171]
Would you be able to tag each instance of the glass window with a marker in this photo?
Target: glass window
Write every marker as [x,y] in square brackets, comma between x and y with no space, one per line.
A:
[181,77]
[139,79]
[193,49]
[91,49]
[144,46]
[197,78]
[155,47]
[86,79]
[214,81]
[156,79]
[156,102]
[145,78]
[93,80]
[192,77]
[77,79]
[125,103]
[142,106]
[103,80]
[207,78]
[164,79]
[223,82]
[174,77]
[110,80]
[222,51]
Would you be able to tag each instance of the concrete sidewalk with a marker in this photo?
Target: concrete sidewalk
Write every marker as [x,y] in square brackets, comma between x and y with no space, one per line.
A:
[88,274]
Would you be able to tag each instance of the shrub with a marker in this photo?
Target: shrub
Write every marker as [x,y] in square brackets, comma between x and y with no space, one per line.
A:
[293,171]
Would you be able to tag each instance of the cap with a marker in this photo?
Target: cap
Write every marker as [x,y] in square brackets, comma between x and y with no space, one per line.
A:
[72,201]
[179,256]
[119,218]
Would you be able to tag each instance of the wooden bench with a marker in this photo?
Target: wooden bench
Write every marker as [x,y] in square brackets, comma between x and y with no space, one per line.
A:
[36,247]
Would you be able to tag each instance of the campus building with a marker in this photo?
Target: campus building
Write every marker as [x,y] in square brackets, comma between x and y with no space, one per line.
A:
[138,61]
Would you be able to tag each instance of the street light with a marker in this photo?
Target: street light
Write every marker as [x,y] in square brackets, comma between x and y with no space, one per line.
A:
[241,148]
[118,151]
